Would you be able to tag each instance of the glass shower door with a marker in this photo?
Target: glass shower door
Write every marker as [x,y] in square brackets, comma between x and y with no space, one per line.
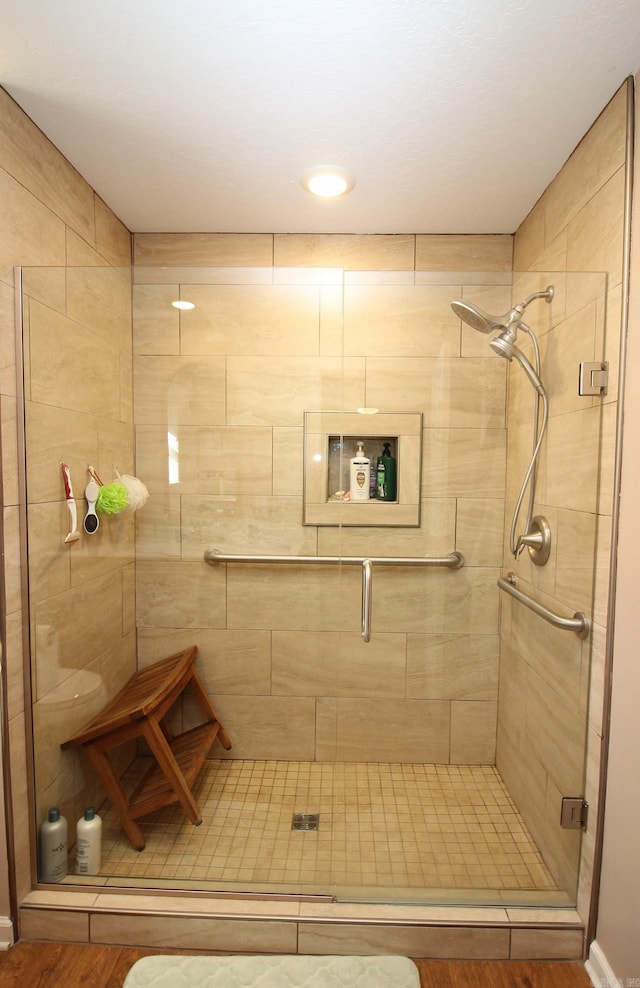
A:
[241,416]
[546,671]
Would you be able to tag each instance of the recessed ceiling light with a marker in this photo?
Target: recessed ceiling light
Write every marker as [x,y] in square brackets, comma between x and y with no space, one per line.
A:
[183,305]
[327,181]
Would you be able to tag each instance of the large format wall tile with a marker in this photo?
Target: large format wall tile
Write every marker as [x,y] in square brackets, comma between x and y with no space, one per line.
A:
[71,365]
[452,667]
[464,253]
[595,236]
[251,320]
[61,644]
[596,159]
[113,240]
[421,318]
[436,535]
[479,524]
[203,250]
[156,322]
[176,391]
[372,669]
[201,459]
[569,468]
[353,253]
[464,462]
[289,386]
[244,525]
[305,664]
[28,230]
[179,594]
[437,601]
[269,726]
[102,301]
[295,598]
[473,732]
[39,167]
[452,392]
[402,730]
[54,433]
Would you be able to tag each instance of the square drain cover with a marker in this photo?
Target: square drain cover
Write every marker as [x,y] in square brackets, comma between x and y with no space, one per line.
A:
[305,821]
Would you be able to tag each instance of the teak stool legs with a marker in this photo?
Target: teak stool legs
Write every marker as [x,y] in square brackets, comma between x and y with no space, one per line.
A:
[139,711]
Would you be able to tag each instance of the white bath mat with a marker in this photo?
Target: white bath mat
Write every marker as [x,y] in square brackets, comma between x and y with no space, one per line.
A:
[272,971]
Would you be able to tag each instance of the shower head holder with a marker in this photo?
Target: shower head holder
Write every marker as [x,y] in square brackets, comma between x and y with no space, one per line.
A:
[537,540]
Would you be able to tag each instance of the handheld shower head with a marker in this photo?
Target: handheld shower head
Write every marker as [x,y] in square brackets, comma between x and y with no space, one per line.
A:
[504,346]
[474,316]
[478,319]
[482,321]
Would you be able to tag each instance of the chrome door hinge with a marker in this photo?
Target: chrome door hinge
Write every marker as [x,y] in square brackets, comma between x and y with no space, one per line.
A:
[593,378]
[574,813]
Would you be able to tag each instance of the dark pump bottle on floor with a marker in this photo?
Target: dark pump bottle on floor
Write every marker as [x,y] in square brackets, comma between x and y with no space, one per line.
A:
[386,475]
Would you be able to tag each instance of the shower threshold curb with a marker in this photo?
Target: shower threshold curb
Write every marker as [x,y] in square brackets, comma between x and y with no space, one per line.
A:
[271,925]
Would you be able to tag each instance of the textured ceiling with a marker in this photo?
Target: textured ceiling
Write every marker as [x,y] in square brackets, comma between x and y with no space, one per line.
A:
[453,115]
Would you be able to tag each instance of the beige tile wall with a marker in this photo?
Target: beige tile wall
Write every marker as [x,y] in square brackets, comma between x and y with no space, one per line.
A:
[78,390]
[544,726]
[280,650]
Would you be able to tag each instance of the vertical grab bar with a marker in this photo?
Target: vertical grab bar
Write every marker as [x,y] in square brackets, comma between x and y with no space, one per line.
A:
[367,580]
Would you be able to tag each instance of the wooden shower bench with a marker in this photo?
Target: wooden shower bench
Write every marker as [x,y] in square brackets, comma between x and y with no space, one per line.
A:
[140,711]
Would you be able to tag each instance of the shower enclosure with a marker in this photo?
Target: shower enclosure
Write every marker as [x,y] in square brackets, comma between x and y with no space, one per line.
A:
[422,725]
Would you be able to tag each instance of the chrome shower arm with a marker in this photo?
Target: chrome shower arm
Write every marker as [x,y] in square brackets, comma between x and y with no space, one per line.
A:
[547,295]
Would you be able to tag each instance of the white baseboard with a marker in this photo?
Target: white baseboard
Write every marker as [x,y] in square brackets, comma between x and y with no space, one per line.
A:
[599,970]
[6,933]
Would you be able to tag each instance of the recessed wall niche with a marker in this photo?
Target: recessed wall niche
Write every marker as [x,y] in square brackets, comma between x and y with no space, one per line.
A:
[330,440]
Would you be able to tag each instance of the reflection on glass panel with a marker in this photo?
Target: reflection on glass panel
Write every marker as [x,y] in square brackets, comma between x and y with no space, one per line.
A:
[173,448]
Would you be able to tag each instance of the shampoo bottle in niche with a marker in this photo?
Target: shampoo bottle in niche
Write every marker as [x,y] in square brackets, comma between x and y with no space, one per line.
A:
[53,847]
[88,843]
[360,475]
[386,484]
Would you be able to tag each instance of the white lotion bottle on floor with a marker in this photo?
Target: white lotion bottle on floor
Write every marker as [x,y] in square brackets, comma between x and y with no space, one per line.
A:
[53,847]
[88,843]
[360,475]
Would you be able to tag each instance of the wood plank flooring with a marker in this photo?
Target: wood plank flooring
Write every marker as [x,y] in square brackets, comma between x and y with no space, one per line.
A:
[45,965]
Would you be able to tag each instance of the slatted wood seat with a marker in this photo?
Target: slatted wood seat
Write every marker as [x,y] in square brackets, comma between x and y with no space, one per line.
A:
[139,711]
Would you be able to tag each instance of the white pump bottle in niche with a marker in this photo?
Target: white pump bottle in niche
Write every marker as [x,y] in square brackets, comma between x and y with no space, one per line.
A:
[360,475]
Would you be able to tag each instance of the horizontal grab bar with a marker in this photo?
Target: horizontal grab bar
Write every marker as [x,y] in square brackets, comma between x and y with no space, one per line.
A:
[578,623]
[454,560]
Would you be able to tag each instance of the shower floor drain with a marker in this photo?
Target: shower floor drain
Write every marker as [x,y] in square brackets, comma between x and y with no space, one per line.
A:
[305,821]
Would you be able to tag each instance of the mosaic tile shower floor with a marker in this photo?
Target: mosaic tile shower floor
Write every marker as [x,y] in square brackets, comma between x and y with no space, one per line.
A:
[404,827]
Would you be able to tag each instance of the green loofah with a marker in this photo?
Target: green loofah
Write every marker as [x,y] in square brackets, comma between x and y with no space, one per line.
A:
[112,498]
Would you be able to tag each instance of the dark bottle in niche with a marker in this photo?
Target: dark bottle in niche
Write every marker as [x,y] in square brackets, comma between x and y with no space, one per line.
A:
[386,486]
